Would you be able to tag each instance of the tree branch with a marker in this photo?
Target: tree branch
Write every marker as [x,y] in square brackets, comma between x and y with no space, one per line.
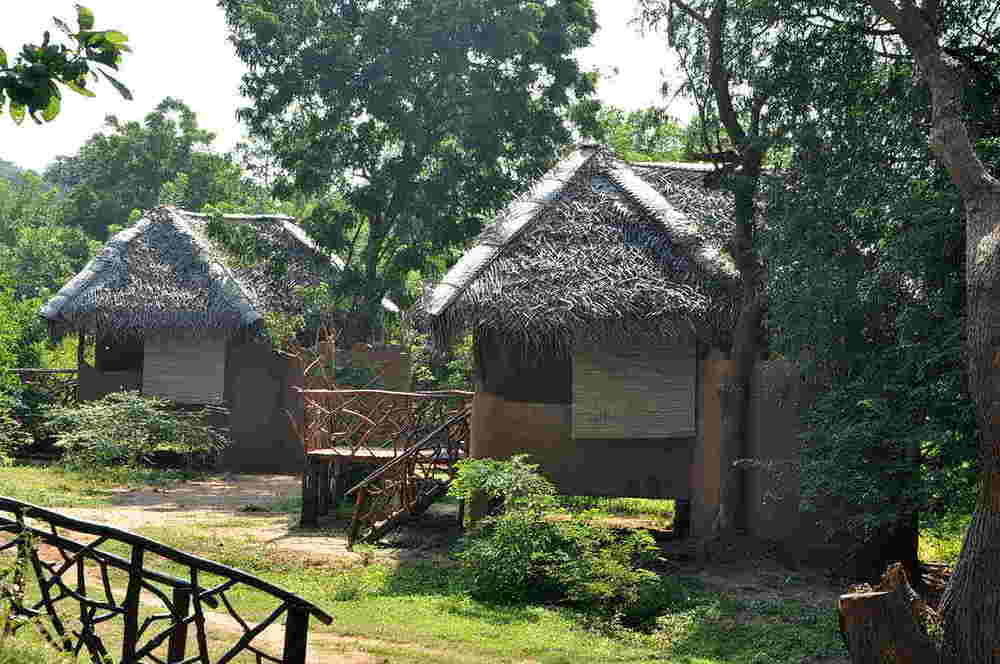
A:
[686,8]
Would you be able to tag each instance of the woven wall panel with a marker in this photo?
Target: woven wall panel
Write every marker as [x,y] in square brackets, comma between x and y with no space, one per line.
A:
[185,370]
[634,393]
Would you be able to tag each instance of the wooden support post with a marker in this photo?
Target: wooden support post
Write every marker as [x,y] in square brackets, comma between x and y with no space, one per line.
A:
[337,479]
[682,518]
[130,637]
[296,635]
[461,514]
[178,639]
[309,518]
[323,488]
[352,533]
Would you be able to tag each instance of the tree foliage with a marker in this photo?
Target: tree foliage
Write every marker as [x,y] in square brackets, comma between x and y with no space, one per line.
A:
[29,84]
[425,115]
[166,158]
[648,134]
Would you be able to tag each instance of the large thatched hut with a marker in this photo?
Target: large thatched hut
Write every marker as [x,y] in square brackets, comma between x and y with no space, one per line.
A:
[176,305]
[595,300]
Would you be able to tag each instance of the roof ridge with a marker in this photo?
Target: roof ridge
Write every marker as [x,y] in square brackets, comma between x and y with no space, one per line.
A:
[682,229]
[510,223]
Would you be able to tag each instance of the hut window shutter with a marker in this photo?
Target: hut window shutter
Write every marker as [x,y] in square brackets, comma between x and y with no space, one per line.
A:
[634,393]
[185,370]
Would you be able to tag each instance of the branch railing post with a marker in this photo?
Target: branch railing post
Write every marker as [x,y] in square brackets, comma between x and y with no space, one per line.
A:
[296,635]
[130,637]
[177,646]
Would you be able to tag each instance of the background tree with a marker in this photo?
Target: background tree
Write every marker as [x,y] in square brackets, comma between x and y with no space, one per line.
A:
[425,115]
[648,134]
[726,72]
[134,166]
[949,43]
[30,83]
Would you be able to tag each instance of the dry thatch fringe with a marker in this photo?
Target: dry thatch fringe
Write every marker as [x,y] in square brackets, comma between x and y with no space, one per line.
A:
[166,274]
[600,263]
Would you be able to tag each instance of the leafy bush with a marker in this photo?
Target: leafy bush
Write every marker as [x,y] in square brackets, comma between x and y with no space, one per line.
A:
[514,481]
[454,371]
[126,429]
[527,553]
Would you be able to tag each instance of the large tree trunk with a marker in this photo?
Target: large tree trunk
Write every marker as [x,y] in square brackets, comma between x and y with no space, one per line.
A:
[970,606]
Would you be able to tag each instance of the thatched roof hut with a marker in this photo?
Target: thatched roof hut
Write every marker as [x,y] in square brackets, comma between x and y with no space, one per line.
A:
[176,271]
[595,299]
[176,307]
[597,249]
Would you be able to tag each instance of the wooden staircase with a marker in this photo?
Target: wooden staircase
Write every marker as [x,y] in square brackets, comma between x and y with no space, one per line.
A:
[408,441]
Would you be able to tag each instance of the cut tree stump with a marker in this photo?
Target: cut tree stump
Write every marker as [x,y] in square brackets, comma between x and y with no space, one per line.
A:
[883,626]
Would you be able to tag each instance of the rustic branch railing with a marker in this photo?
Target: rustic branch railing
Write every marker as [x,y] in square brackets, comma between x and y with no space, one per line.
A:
[62,384]
[381,430]
[409,483]
[74,598]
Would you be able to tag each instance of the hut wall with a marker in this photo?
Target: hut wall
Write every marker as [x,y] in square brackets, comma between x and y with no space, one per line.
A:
[258,390]
[524,405]
[95,384]
[778,397]
[185,370]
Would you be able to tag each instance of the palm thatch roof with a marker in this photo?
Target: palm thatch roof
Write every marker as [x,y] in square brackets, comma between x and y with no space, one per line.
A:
[597,249]
[174,272]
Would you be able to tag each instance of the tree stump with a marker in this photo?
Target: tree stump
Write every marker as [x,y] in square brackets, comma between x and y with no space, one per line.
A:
[883,626]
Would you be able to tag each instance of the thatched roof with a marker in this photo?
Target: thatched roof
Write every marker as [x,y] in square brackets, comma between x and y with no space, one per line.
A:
[170,274]
[596,249]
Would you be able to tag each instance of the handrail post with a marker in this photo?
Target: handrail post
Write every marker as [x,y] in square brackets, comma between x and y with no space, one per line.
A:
[178,639]
[130,637]
[296,635]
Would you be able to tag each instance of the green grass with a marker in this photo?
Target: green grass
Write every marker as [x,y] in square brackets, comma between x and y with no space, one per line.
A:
[427,605]
[421,612]
[53,486]
[945,543]
[658,511]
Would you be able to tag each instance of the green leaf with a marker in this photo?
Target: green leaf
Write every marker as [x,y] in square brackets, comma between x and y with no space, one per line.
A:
[50,112]
[78,87]
[122,90]
[84,17]
[3,59]
[17,112]
[115,37]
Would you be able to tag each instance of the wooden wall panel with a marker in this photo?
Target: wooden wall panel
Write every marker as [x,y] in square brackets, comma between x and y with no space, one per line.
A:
[185,370]
[621,393]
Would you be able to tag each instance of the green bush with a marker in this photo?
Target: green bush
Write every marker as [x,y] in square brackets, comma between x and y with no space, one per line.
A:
[527,553]
[127,429]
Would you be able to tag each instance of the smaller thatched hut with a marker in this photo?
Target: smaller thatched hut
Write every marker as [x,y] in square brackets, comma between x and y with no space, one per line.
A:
[594,300]
[176,307]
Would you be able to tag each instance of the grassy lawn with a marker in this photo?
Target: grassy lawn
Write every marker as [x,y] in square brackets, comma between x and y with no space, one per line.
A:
[51,486]
[420,611]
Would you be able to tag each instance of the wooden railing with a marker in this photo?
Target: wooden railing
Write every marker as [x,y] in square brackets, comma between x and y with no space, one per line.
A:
[74,597]
[364,420]
[408,441]
[407,485]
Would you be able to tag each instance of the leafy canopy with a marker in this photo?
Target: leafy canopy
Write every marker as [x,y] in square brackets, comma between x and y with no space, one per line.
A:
[29,84]
[424,115]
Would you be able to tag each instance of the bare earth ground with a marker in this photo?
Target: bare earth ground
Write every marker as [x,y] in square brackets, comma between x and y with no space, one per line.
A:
[233,504]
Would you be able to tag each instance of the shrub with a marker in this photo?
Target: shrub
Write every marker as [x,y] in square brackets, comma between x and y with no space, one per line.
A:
[126,429]
[526,553]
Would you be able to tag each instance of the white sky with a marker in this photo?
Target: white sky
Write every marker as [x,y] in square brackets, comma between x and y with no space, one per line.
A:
[180,50]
